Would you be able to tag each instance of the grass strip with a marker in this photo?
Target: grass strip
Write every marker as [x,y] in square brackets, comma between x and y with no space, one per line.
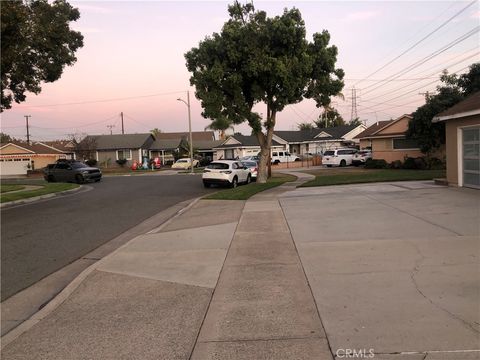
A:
[48,188]
[244,192]
[374,176]
[8,187]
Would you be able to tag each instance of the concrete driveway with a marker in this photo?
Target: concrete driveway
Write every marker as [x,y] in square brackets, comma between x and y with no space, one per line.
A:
[392,267]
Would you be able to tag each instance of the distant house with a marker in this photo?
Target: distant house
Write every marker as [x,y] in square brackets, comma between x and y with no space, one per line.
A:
[387,140]
[238,145]
[317,141]
[462,133]
[107,149]
[110,148]
[66,146]
[16,158]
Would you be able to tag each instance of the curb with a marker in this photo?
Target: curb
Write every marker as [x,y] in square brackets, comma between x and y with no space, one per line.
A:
[41,197]
[75,283]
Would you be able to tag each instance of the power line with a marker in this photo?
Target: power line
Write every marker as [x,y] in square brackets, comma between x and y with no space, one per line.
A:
[105,100]
[436,72]
[427,58]
[420,41]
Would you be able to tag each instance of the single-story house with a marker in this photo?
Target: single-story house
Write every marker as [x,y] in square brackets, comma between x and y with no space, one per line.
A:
[238,146]
[66,146]
[387,140]
[317,141]
[107,149]
[16,158]
[462,133]
[110,148]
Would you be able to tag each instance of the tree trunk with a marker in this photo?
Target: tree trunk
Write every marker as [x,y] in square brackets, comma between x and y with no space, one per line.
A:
[265,141]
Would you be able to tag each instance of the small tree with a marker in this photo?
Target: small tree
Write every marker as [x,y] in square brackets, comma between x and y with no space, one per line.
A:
[85,146]
[5,138]
[37,43]
[330,117]
[155,132]
[305,126]
[430,136]
[221,125]
[256,59]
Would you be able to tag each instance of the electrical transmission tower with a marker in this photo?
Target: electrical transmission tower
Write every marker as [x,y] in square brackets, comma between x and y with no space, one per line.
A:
[354,104]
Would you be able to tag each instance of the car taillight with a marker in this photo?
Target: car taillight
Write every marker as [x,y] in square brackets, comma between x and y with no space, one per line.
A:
[206,170]
[255,170]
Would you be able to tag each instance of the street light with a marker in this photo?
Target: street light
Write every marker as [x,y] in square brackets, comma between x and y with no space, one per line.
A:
[189,129]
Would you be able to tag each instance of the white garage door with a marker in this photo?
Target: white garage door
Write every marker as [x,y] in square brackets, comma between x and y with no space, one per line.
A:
[471,157]
[14,166]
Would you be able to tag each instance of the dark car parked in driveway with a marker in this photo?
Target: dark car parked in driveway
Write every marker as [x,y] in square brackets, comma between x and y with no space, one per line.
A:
[71,171]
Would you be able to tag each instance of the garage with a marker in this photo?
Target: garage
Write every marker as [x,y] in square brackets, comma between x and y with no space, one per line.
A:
[15,166]
[462,135]
[471,157]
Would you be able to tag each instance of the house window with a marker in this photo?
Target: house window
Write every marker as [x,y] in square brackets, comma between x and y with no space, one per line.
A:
[124,154]
[404,144]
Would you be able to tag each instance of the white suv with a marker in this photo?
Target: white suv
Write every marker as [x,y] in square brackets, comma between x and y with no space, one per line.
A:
[226,172]
[338,157]
[283,156]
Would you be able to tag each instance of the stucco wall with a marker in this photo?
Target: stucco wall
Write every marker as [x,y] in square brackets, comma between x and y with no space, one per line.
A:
[398,127]
[383,149]
[452,151]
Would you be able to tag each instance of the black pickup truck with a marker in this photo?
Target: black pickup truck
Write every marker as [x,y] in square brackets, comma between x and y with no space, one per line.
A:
[71,171]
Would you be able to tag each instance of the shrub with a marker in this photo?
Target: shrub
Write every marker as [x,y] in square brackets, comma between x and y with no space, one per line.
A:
[376,164]
[409,163]
[397,164]
[436,164]
[91,162]
[121,162]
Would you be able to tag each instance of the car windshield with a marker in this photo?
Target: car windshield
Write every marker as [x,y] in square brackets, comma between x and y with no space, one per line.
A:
[215,165]
[78,165]
[329,152]
[364,152]
[182,161]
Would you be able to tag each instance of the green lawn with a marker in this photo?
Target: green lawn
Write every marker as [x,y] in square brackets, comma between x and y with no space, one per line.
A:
[243,192]
[47,188]
[373,175]
[8,187]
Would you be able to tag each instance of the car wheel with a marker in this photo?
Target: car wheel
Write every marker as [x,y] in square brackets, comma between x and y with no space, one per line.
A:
[343,163]
[329,165]
[79,179]
[207,185]
[297,159]
[249,179]
[276,162]
[97,180]
[50,178]
[234,182]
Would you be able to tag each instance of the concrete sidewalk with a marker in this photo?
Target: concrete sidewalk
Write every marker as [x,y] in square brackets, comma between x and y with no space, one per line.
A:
[391,268]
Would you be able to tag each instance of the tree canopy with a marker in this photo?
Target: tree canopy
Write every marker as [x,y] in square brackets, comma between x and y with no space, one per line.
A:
[257,59]
[37,43]
[454,88]
[305,126]
[329,117]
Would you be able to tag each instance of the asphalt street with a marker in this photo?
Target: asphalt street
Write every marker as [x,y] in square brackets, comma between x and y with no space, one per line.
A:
[43,237]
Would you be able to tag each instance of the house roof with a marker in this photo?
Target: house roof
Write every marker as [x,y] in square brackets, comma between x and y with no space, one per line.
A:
[336,132]
[203,145]
[196,135]
[468,107]
[34,148]
[62,145]
[244,141]
[373,129]
[165,144]
[119,141]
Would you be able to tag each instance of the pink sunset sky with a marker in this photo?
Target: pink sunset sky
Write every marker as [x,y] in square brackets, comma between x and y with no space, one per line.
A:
[132,62]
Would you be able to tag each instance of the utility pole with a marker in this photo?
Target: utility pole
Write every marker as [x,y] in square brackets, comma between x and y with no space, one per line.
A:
[354,104]
[28,130]
[123,129]
[189,129]
[111,127]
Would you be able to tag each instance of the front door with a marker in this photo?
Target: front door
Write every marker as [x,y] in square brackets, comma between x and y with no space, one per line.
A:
[471,157]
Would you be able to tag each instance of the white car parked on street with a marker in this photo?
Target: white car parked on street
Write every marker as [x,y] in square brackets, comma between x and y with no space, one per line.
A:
[226,172]
[338,157]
